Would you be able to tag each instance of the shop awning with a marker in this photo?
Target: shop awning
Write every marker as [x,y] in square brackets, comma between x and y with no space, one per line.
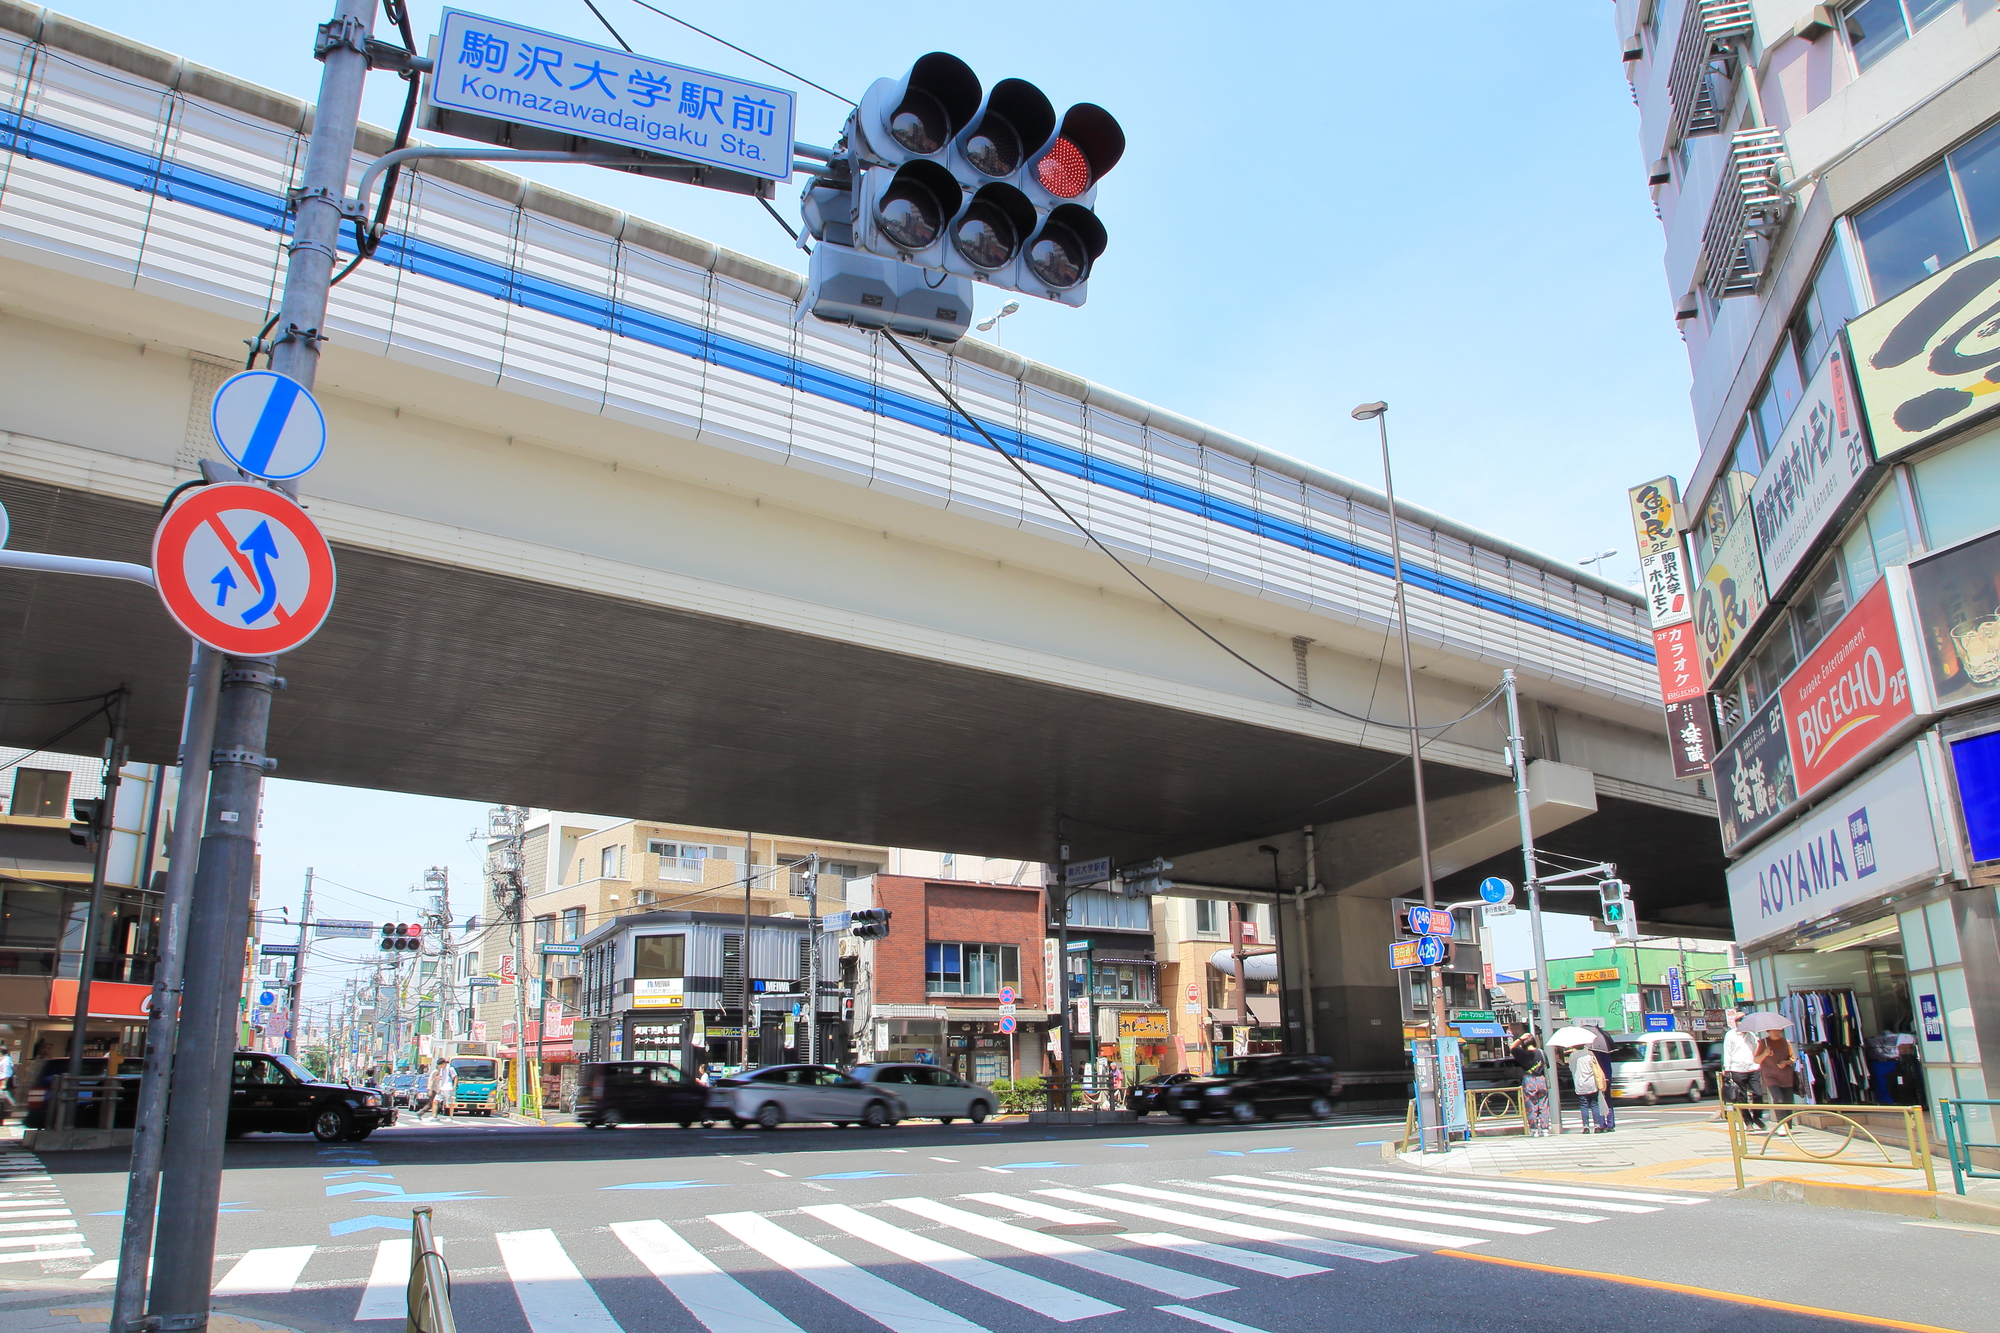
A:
[1264,1012]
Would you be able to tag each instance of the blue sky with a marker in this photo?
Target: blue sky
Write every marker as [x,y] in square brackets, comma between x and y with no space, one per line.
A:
[1320,204]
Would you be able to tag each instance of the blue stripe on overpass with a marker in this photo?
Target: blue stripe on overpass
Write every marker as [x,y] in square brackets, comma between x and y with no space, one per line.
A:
[38,139]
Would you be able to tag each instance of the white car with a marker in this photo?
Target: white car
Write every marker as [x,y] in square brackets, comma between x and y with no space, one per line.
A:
[931,1092]
[786,1094]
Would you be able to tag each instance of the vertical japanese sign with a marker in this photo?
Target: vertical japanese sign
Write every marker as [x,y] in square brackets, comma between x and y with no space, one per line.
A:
[1730,598]
[1691,734]
[1851,692]
[1670,610]
[522,76]
[1819,461]
[1753,775]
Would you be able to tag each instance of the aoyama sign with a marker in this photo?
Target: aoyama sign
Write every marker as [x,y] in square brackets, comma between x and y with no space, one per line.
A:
[1871,839]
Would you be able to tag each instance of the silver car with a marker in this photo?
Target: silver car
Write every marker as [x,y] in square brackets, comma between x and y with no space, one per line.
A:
[785,1094]
[931,1092]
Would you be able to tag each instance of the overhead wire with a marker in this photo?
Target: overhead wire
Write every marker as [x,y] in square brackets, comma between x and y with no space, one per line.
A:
[770,64]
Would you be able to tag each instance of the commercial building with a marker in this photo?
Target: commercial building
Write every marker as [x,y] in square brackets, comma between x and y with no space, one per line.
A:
[1658,986]
[1828,178]
[1198,983]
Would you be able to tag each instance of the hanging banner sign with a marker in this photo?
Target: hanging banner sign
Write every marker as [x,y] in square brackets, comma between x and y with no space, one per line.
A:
[1691,737]
[1655,516]
[1676,652]
[1753,776]
[1922,359]
[1730,598]
[1851,692]
[1818,463]
[1664,580]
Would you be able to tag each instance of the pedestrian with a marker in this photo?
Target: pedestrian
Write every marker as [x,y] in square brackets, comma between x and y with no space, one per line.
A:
[1739,1070]
[6,1083]
[1587,1076]
[1609,1111]
[444,1089]
[1777,1070]
[1527,1053]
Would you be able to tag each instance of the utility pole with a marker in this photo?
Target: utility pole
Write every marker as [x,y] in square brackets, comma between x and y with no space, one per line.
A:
[114,760]
[1532,885]
[1058,897]
[1239,1037]
[200,1103]
[743,955]
[812,960]
[297,988]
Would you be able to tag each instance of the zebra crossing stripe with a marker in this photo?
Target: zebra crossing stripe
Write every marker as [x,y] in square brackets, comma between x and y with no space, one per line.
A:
[1291,1240]
[1269,1265]
[265,1272]
[1364,1209]
[49,1254]
[719,1301]
[38,1226]
[1215,1321]
[1545,1214]
[1153,1277]
[1455,1194]
[37,1212]
[1351,1226]
[1577,1192]
[554,1296]
[1030,1293]
[884,1302]
[387,1294]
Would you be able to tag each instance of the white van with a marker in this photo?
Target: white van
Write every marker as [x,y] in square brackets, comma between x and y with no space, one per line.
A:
[1651,1065]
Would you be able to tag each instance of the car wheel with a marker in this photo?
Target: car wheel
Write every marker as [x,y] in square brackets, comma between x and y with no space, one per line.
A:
[1320,1108]
[1191,1117]
[687,1124]
[944,1120]
[980,1110]
[357,1135]
[1651,1097]
[875,1115]
[332,1123]
[843,1124]
[738,1122]
[1694,1091]
[770,1115]
[610,1119]
[1244,1113]
[590,1122]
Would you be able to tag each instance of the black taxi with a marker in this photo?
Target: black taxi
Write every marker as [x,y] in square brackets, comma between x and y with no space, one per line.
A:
[639,1092]
[275,1094]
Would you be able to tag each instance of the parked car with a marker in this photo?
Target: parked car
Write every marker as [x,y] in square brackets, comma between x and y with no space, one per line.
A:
[1261,1087]
[41,1094]
[1649,1065]
[401,1089]
[275,1094]
[638,1092]
[930,1092]
[1153,1094]
[782,1094]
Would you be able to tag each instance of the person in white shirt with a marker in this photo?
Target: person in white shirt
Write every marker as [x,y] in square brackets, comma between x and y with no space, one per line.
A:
[1587,1077]
[1740,1080]
[6,1082]
[444,1089]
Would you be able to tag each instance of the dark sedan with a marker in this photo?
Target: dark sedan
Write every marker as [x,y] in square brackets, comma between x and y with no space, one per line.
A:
[1151,1094]
[638,1092]
[1260,1087]
[275,1094]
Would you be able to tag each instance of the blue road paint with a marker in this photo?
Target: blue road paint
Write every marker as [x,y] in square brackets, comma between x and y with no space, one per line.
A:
[663,1185]
[1035,1166]
[356,1171]
[369,1223]
[1270,1150]
[1371,1143]
[1223,1152]
[854,1175]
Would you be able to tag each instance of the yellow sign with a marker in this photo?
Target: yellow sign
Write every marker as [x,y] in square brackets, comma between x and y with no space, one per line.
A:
[657,1001]
[1653,517]
[1143,1026]
[1597,974]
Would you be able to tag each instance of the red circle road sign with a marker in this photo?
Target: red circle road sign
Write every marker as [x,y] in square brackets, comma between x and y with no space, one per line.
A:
[243,569]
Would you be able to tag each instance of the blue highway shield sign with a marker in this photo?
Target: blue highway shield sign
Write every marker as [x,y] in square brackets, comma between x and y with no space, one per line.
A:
[268,424]
[1430,950]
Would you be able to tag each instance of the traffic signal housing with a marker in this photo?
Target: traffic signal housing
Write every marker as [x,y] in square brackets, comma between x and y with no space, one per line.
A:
[935,187]
[869,923]
[401,937]
[1144,881]
[1617,909]
[89,826]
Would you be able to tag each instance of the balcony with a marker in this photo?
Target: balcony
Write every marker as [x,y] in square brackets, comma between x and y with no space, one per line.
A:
[1702,81]
[1750,209]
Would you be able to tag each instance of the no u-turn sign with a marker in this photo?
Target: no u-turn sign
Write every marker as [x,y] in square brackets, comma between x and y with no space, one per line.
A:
[243,569]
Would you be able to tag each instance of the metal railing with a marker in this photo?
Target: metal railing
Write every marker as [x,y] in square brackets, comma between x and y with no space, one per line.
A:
[84,1101]
[1801,1133]
[1958,1143]
[1493,1104]
[428,1307]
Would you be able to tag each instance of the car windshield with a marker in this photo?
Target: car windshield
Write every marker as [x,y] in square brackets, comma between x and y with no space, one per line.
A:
[294,1068]
[474,1071]
[1624,1052]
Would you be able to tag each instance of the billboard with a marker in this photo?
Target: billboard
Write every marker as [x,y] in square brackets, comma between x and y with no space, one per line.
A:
[1669,599]
[1850,692]
[1753,776]
[1655,516]
[1730,598]
[1958,619]
[1691,737]
[1820,459]
[1677,657]
[1921,360]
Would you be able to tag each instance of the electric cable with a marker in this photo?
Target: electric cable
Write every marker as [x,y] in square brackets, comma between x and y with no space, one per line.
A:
[790,74]
[790,230]
[94,713]
[591,5]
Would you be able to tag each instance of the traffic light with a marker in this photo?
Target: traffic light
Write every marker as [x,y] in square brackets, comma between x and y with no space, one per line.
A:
[1146,880]
[869,923]
[1618,911]
[89,816]
[934,187]
[401,938]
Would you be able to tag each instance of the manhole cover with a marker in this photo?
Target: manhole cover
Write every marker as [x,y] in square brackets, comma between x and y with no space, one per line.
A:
[1083,1229]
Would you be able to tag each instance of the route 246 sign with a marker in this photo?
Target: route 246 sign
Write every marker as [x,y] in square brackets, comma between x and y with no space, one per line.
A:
[243,570]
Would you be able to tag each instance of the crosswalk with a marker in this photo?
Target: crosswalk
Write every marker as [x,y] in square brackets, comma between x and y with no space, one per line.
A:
[960,1264]
[35,1220]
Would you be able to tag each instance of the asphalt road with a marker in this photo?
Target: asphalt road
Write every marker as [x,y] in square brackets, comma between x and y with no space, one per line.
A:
[925,1228]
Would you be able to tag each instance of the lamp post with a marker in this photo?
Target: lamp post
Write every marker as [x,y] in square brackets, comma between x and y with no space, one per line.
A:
[992,323]
[1597,559]
[1434,1138]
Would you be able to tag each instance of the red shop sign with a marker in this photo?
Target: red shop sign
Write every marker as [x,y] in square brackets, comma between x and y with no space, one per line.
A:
[1679,662]
[1849,693]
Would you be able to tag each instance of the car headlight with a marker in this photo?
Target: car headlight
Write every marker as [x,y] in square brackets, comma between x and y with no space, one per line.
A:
[371,1101]
[1216,1092]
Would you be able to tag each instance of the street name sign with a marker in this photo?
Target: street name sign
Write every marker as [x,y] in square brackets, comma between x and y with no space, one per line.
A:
[836,921]
[1403,953]
[1430,921]
[1088,872]
[269,424]
[242,569]
[565,950]
[523,76]
[325,929]
[280,951]
[1493,910]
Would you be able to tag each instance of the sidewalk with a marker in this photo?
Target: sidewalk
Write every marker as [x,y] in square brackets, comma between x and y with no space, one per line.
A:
[83,1318]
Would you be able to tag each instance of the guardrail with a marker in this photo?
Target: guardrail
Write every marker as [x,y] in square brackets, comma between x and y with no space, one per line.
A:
[85,1097]
[1488,1104]
[1959,1144]
[428,1307]
[1805,1138]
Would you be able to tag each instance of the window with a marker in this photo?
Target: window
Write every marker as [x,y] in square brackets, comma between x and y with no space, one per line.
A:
[970,969]
[1876,27]
[1768,669]
[572,923]
[1101,908]
[611,863]
[1820,606]
[545,930]
[658,956]
[1113,981]
[948,865]
[1933,220]
[656,847]
[1654,998]
[1829,304]
[1207,917]
[40,793]
[1774,403]
[1879,540]
[1958,491]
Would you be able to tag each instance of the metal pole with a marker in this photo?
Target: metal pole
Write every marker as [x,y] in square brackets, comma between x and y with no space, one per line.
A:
[812,961]
[1064,1036]
[298,986]
[1278,943]
[1239,1036]
[142,1189]
[220,913]
[1305,939]
[541,1031]
[1531,874]
[1434,1137]
[86,967]
[743,953]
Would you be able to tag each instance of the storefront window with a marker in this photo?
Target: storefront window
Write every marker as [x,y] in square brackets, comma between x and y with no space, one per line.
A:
[1946,1041]
[657,957]
[1129,981]
[1958,491]
[1880,540]
[970,969]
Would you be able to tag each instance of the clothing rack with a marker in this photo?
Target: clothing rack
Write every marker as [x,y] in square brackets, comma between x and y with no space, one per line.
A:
[1828,1035]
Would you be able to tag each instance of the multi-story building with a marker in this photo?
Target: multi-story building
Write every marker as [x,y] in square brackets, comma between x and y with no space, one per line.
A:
[1197,987]
[1633,987]
[1828,177]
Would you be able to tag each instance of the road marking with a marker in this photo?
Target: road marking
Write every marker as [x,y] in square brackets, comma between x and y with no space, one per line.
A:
[38,1226]
[1030,1293]
[1238,1230]
[17,1242]
[884,1302]
[387,1294]
[944,1159]
[1576,1191]
[719,1301]
[39,1255]
[1364,1209]
[769,1171]
[1166,1281]
[1267,1264]
[1600,1205]
[1707,1293]
[1545,1214]
[996,1170]
[39,1212]
[265,1272]
[1212,1320]
[1356,1228]
[554,1297]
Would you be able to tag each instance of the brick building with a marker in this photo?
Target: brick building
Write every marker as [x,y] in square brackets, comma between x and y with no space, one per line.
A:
[931,991]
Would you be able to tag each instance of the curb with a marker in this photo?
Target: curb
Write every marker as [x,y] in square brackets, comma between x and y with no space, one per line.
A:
[1875,1199]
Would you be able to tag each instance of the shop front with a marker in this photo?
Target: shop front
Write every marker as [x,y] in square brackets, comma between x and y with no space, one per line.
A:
[971,1043]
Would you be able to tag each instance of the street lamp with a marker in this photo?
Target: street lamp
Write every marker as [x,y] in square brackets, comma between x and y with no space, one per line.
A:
[1434,1138]
[992,324]
[1600,557]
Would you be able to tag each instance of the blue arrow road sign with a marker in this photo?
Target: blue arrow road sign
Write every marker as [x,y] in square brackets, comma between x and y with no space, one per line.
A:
[1430,921]
[1495,889]
[268,424]
[1430,951]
